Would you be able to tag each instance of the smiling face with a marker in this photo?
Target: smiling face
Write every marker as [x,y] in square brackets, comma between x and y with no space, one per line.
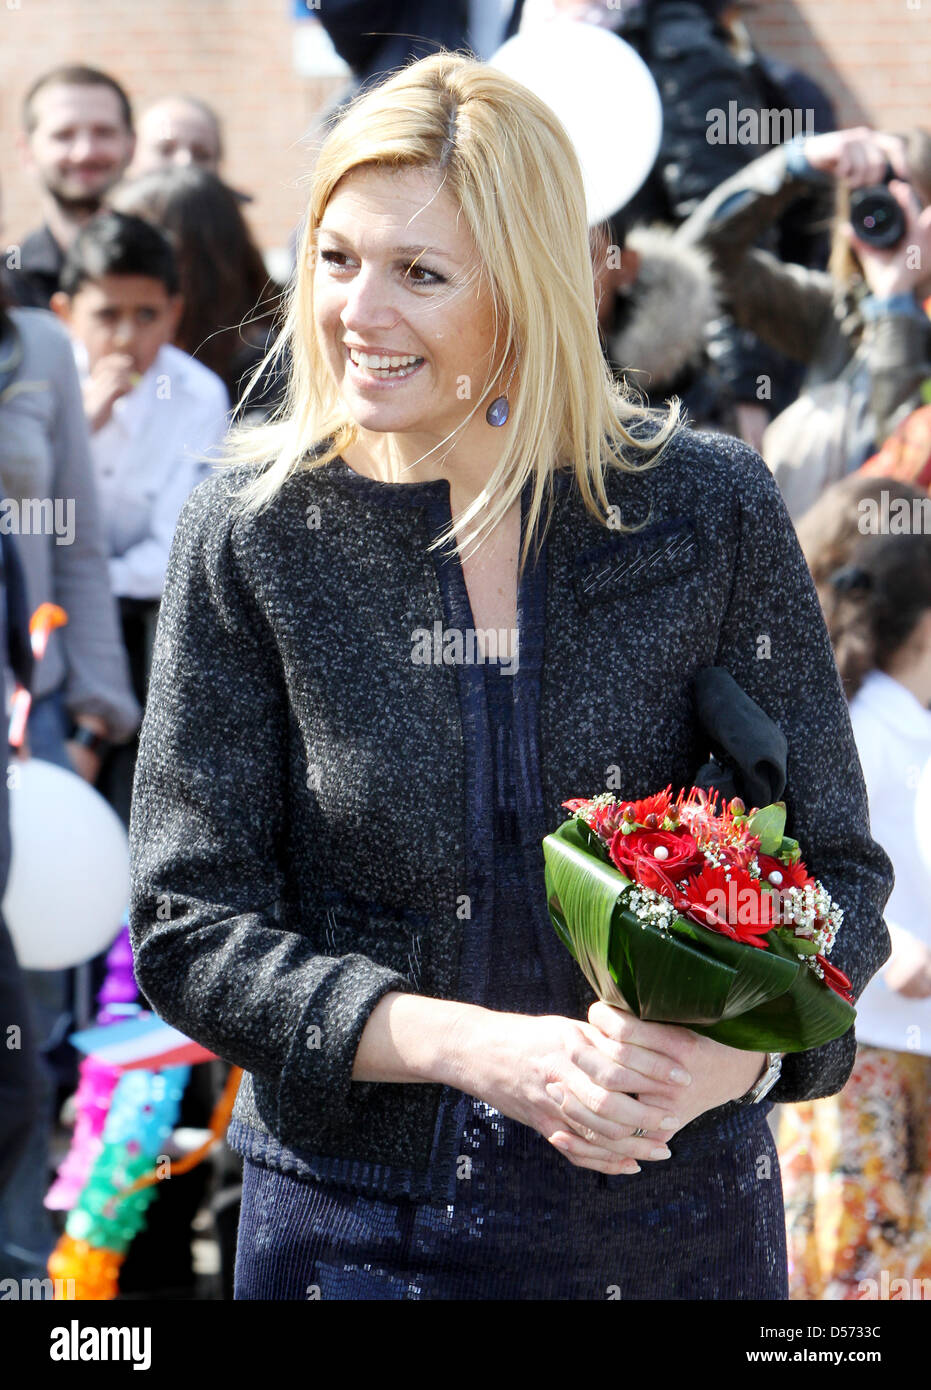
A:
[80,145]
[403,317]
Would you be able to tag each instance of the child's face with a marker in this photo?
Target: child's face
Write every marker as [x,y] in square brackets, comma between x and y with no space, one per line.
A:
[131,314]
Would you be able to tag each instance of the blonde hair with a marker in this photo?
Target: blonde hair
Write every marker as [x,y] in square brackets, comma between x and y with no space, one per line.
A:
[510,166]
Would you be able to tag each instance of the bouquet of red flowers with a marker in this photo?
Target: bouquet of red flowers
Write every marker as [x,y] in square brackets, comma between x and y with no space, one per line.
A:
[687,912]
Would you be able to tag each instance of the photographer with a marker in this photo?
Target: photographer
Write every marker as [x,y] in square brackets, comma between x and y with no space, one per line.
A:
[859,327]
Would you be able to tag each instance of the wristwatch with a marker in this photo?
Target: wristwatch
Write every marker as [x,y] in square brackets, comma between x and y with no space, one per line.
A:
[87,738]
[767,1081]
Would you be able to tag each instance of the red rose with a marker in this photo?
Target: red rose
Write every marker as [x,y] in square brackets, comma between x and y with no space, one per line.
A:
[673,853]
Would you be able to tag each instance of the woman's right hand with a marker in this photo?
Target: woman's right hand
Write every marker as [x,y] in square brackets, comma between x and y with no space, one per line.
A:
[857,156]
[113,376]
[560,1077]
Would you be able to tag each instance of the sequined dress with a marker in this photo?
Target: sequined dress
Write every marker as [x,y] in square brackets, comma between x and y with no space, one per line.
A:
[524,1222]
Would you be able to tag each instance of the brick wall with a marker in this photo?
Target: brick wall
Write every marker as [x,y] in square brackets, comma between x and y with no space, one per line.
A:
[235,54]
[873,56]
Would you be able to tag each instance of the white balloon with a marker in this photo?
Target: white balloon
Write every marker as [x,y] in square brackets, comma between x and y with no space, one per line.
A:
[68,887]
[605,96]
[923,815]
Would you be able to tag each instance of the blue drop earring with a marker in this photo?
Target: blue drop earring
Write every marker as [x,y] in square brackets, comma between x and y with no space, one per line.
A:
[499,410]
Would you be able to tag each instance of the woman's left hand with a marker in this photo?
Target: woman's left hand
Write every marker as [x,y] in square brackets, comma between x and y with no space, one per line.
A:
[719,1073]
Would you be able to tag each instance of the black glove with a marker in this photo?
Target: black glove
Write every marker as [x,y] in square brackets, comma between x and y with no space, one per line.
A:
[747,750]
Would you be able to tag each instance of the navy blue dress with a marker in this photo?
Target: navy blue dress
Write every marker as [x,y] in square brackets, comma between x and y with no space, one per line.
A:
[525,1223]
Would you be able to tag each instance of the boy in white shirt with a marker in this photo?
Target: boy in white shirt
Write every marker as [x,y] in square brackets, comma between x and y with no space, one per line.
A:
[153,411]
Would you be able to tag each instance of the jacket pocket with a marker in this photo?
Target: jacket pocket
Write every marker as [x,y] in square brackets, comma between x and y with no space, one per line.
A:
[354,925]
[631,563]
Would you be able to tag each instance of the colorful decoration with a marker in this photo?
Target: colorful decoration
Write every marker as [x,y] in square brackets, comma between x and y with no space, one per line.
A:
[111,1208]
[145,1041]
[44,621]
[101,1225]
[96,1273]
[96,1084]
[119,987]
[96,1079]
[128,1101]
[143,1112]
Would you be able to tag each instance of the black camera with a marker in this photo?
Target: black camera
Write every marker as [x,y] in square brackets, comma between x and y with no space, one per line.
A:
[875,215]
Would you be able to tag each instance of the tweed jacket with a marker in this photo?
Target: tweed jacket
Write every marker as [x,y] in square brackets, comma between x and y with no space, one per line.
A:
[301,833]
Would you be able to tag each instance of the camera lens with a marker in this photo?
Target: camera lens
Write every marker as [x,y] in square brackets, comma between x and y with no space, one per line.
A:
[876,217]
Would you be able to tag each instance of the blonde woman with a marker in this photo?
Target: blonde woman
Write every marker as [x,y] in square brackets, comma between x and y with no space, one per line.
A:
[460,579]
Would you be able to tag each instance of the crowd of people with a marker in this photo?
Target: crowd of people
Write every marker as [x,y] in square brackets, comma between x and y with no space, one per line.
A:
[131,320]
[136,325]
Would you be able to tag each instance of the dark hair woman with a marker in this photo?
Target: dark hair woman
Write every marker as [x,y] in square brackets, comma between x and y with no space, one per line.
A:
[857,1166]
[844,513]
[230,302]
